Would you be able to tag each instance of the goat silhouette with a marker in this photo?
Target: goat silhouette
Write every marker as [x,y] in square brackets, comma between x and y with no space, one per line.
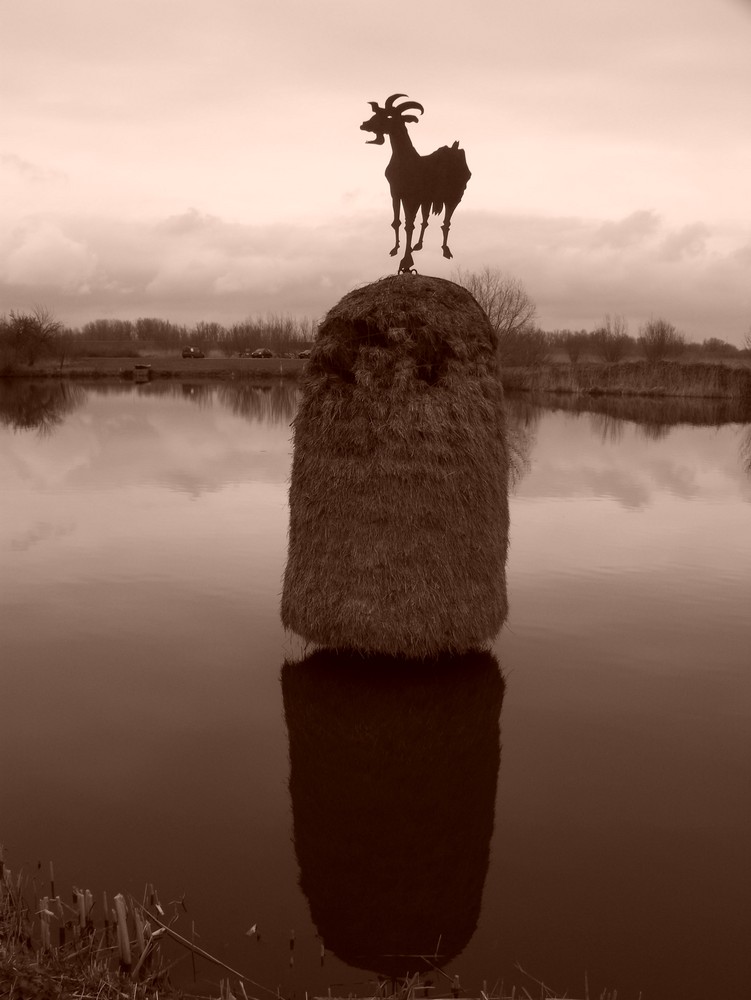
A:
[430,183]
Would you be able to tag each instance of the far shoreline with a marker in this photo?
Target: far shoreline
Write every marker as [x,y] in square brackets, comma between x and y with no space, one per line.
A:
[631,378]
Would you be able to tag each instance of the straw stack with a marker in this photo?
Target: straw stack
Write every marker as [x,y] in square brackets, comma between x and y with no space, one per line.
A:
[398,498]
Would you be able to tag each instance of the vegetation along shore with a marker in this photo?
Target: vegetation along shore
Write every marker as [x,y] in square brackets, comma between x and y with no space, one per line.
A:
[658,362]
[673,379]
[114,949]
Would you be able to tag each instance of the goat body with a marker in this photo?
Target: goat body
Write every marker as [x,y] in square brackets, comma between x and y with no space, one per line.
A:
[433,183]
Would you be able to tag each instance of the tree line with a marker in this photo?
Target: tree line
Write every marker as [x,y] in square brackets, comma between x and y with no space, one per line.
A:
[522,342]
[30,336]
[35,334]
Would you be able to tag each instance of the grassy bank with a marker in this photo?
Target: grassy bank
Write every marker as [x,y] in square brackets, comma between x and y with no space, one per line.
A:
[636,378]
[53,950]
[84,950]
[165,366]
[658,380]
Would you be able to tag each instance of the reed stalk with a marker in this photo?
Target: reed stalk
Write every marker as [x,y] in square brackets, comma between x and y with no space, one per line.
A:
[123,938]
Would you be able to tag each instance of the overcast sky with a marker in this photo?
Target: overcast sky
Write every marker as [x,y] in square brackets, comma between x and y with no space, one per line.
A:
[202,159]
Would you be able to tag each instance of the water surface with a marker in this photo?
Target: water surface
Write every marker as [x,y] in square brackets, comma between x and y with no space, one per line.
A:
[598,821]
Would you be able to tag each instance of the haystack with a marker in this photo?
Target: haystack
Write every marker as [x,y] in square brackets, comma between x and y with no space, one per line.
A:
[398,498]
[393,775]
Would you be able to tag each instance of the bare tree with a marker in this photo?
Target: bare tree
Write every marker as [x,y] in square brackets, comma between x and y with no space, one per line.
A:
[660,339]
[611,339]
[511,312]
[32,334]
[573,344]
[503,298]
[747,339]
[66,345]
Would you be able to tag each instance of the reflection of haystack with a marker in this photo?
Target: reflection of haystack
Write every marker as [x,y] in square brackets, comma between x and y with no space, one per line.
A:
[393,771]
[398,499]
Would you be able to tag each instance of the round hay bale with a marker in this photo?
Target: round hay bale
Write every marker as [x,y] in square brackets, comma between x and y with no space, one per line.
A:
[393,775]
[399,490]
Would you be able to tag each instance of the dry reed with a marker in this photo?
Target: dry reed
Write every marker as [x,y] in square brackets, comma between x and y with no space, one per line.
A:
[85,964]
[638,378]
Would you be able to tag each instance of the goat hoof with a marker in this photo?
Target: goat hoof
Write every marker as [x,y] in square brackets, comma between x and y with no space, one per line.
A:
[392,253]
[447,253]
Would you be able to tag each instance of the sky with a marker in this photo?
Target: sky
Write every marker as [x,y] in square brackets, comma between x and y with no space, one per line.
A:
[203,160]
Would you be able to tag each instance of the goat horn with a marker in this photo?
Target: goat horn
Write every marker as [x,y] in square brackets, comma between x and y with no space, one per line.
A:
[388,106]
[408,105]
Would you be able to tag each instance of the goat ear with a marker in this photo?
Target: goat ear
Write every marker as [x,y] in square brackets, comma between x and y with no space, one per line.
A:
[410,118]
[374,105]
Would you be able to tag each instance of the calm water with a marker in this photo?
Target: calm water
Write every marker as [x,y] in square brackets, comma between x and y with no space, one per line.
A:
[594,814]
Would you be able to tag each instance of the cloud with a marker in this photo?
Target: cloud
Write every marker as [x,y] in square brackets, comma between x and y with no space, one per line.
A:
[635,228]
[688,241]
[194,265]
[41,531]
[28,170]
[188,222]
[578,269]
[41,254]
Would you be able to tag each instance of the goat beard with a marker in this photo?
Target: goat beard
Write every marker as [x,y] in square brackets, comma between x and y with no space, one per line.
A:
[378,141]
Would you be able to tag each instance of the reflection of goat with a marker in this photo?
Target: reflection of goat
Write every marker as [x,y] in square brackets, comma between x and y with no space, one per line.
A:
[436,181]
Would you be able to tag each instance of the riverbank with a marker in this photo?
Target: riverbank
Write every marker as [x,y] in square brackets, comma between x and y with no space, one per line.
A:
[669,379]
[50,950]
[663,379]
[164,366]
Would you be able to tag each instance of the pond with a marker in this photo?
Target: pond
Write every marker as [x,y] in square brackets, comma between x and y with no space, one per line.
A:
[584,812]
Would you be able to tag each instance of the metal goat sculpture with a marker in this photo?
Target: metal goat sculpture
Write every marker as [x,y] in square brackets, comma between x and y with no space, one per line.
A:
[435,182]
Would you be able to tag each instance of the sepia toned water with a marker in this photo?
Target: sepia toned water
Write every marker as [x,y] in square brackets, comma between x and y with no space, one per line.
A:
[576,801]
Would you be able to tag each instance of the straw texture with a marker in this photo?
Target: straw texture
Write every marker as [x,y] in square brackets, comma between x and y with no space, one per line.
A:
[398,497]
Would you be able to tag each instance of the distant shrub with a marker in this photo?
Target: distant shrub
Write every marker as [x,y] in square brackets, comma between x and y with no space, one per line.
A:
[660,339]
[611,340]
[511,312]
[719,348]
[528,348]
[573,343]
[109,329]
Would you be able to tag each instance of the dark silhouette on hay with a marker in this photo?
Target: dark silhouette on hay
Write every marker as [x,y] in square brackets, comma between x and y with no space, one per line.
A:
[433,183]
[399,492]
[393,774]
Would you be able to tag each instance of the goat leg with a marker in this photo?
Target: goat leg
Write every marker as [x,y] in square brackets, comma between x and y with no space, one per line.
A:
[423,225]
[395,225]
[409,227]
[445,230]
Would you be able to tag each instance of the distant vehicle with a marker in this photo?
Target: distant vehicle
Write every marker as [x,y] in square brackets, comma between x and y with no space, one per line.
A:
[192,352]
[262,352]
[304,354]
[245,354]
